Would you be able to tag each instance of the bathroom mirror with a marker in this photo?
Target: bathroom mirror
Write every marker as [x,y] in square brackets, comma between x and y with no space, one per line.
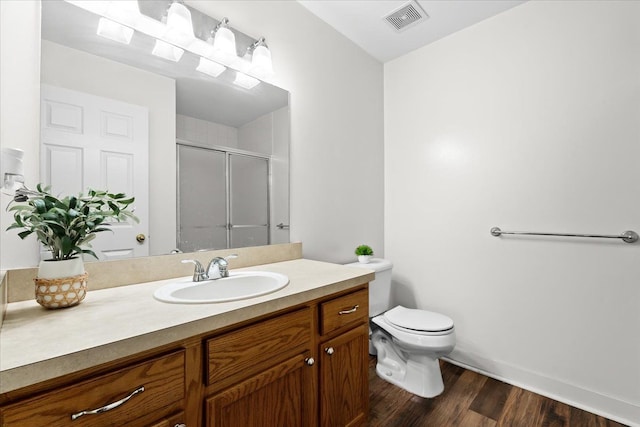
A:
[210,114]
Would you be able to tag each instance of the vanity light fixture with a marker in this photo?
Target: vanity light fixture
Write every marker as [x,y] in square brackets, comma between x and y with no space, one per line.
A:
[114,31]
[179,25]
[245,81]
[175,34]
[224,43]
[125,12]
[209,67]
[261,65]
[167,51]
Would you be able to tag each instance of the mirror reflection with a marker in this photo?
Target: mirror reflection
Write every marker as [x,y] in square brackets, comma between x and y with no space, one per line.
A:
[207,160]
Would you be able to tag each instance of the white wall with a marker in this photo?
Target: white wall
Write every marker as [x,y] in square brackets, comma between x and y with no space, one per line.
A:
[529,121]
[205,132]
[336,125]
[19,108]
[251,136]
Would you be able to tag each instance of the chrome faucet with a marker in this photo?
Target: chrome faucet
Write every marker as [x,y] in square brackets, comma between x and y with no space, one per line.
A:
[218,267]
[198,273]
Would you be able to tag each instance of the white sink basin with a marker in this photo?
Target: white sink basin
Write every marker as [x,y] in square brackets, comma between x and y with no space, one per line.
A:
[239,285]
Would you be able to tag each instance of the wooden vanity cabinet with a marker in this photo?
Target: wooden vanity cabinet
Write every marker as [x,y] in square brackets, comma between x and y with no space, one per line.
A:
[261,375]
[143,394]
[344,360]
[303,366]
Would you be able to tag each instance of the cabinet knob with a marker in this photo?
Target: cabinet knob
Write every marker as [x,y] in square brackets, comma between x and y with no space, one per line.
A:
[141,238]
[329,350]
[309,361]
[180,425]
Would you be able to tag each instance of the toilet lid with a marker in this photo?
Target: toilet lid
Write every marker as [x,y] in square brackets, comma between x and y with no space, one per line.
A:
[418,320]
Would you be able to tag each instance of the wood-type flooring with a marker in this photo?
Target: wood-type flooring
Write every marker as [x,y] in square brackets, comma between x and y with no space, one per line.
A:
[471,400]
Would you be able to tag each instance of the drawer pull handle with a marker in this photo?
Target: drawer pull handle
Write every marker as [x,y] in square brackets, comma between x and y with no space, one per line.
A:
[108,407]
[329,350]
[353,310]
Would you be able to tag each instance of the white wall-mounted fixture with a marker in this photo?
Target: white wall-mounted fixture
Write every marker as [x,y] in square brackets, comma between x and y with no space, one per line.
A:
[11,170]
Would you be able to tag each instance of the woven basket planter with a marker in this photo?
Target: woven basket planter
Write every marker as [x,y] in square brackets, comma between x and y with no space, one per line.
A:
[61,292]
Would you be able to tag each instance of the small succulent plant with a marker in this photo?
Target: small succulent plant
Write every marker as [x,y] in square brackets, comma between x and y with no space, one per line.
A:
[364,250]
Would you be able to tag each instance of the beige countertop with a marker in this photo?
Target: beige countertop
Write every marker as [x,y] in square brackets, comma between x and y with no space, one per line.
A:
[38,344]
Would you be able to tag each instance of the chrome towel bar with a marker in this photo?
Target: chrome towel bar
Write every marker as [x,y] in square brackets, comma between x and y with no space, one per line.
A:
[628,236]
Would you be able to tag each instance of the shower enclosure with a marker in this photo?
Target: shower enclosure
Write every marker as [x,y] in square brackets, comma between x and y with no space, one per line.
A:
[223,198]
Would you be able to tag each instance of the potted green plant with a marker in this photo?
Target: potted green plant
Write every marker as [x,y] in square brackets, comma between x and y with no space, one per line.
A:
[65,226]
[364,253]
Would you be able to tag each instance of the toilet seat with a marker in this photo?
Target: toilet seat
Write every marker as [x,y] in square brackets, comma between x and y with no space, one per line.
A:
[421,322]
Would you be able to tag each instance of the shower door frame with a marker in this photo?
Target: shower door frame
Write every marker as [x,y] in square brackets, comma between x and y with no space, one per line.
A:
[228,152]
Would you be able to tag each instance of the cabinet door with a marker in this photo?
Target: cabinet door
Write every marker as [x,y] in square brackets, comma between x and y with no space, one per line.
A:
[344,386]
[281,396]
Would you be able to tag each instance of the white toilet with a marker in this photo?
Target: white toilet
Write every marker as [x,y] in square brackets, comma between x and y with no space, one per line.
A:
[408,342]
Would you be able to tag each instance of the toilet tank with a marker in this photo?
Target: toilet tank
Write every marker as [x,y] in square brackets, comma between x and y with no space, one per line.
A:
[380,288]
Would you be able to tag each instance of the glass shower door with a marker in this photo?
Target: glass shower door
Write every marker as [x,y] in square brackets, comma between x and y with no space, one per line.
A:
[249,200]
[202,199]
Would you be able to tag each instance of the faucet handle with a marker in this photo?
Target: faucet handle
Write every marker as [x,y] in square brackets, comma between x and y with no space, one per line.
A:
[198,273]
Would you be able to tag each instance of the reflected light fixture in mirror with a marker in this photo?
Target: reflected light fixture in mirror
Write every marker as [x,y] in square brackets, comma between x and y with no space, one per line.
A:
[209,67]
[167,51]
[245,81]
[126,12]
[114,31]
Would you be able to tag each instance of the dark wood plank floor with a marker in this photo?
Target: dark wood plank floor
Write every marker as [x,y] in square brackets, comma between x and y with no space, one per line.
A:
[471,400]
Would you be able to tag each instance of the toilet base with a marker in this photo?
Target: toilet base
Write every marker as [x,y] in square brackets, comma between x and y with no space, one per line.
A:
[417,373]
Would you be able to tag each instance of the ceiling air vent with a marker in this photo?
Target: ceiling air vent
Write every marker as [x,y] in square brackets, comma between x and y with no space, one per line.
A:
[406,16]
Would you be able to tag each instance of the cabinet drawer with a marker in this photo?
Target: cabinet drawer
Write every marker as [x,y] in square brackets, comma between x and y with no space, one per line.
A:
[162,379]
[345,310]
[240,351]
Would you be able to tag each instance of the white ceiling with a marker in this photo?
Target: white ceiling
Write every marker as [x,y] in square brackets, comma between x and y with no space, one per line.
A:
[363,21]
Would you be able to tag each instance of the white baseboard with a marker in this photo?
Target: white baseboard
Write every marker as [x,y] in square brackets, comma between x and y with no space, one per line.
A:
[608,407]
